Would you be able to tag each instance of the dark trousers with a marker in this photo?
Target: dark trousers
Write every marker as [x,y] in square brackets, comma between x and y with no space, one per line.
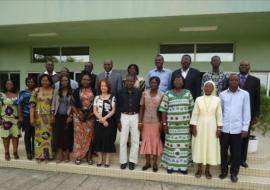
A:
[29,136]
[244,150]
[234,142]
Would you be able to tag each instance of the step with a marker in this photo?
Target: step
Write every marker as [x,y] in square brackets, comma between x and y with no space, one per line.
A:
[245,182]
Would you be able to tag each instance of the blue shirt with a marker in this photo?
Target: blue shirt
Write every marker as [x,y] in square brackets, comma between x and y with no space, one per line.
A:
[236,111]
[23,101]
[164,75]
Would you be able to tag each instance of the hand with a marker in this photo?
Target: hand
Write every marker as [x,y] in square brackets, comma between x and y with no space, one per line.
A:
[119,126]
[69,119]
[102,120]
[106,124]
[194,130]
[140,126]
[244,134]
[218,133]
[254,121]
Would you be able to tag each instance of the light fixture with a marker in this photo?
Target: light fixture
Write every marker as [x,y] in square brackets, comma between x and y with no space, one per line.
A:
[198,29]
[42,34]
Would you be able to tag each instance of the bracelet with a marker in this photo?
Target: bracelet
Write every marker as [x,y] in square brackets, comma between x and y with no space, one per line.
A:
[164,124]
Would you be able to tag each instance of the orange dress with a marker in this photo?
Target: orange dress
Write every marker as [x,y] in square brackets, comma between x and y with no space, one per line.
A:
[83,130]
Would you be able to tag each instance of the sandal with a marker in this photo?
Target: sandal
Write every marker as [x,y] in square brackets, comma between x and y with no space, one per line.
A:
[78,162]
[90,162]
[208,175]
[16,156]
[198,174]
[7,156]
[146,167]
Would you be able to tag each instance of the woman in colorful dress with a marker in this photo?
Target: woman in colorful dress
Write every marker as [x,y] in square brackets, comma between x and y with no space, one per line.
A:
[41,118]
[104,110]
[9,129]
[149,124]
[83,120]
[206,122]
[176,107]
[62,111]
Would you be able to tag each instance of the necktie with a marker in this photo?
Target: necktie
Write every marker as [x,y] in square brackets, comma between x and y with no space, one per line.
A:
[242,81]
[107,75]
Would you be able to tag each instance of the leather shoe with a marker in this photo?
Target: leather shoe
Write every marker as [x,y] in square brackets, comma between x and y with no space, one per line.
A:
[234,178]
[131,166]
[123,166]
[222,175]
[244,164]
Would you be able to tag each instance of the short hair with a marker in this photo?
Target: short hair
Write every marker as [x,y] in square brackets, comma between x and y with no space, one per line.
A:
[30,78]
[178,76]
[159,55]
[48,77]
[155,78]
[131,76]
[215,56]
[107,82]
[186,55]
[135,66]
[14,87]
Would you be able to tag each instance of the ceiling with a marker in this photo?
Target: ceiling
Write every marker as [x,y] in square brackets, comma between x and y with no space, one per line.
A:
[229,26]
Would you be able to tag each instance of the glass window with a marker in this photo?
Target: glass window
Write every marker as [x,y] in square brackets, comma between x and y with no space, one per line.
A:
[41,55]
[204,52]
[174,52]
[75,54]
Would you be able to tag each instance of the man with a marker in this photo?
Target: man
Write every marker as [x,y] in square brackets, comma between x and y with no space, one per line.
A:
[252,85]
[88,68]
[217,76]
[163,74]
[114,78]
[24,117]
[192,77]
[65,72]
[128,109]
[50,71]
[236,117]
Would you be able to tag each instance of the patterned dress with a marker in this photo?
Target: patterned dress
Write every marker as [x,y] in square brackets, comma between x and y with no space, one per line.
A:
[43,124]
[9,115]
[177,149]
[219,79]
[83,130]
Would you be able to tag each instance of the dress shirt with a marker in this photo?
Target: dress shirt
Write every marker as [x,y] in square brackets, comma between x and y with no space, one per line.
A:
[236,111]
[129,101]
[184,73]
[164,75]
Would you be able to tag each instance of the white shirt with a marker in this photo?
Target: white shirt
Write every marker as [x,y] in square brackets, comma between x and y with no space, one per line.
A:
[184,73]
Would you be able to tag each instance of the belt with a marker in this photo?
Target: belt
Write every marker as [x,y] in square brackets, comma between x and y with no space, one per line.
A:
[130,113]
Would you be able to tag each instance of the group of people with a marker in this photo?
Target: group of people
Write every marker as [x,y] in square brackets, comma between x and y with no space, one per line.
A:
[178,115]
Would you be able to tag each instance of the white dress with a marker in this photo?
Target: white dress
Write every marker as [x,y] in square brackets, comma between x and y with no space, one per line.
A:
[206,115]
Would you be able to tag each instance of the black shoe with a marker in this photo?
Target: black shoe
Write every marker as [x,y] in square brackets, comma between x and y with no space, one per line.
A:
[222,175]
[184,172]
[234,178]
[244,164]
[146,167]
[131,166]
[155,168]
[169,171]
[123,166]
[29,156]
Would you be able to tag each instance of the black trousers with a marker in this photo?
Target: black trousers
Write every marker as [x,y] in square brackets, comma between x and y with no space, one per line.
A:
[244,150]
[29,136]
[234,142]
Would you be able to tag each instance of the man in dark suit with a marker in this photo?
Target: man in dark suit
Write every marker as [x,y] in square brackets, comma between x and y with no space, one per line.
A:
[114,78]
[252,85]
[192,76]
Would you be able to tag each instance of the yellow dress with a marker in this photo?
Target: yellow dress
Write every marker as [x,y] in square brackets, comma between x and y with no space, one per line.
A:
[206,115]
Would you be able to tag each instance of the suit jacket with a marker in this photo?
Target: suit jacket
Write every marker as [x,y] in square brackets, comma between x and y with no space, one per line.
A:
[192,81]
[115,80]
[253,86]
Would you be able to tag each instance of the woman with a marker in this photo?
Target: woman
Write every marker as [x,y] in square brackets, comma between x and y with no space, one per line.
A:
[133,70]
[83,120]
[176,107]
[149,124]
[63,129]
[24,117]
[41,118]
[206,124]
[9,119]
[104,109]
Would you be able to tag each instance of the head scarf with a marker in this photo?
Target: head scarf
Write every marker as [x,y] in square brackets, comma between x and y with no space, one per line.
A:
[214,92]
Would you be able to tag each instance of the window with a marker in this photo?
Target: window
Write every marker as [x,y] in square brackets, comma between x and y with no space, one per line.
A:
[15,76]
[201,52]
[61,54]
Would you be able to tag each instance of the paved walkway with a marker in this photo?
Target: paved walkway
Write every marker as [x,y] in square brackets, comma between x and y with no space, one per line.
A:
[19,179]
